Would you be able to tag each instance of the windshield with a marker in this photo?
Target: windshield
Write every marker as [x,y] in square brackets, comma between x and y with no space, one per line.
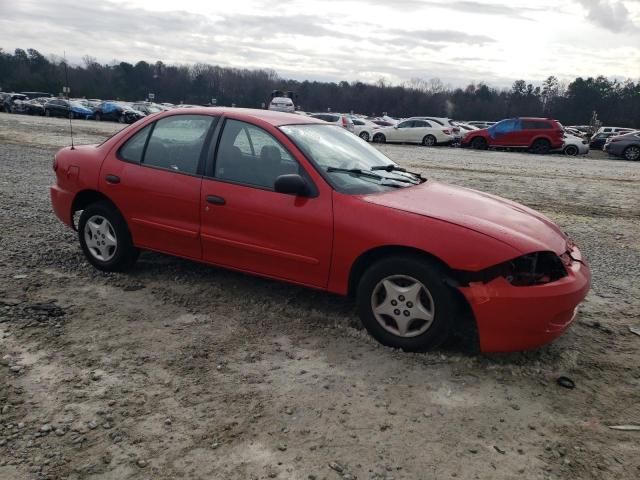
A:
[348,163]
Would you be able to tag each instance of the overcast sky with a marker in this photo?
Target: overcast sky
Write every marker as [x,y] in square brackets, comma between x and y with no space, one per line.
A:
[493,41]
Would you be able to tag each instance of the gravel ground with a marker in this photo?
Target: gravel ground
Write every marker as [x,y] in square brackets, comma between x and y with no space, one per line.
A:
[179,370]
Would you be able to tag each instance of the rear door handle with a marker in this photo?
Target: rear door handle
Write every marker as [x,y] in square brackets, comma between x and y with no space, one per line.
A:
[215,200]
[112,179]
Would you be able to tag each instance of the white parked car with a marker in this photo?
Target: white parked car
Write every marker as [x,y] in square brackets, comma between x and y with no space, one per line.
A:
[480,123]
[415,131]
[282,104]
[574,145]
[364,128]
[336,118]
[616,130]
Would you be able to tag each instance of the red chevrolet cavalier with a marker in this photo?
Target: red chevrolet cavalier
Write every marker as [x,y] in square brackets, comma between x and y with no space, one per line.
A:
[295,199]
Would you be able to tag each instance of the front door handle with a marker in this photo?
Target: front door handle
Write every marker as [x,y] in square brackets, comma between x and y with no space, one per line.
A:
[113,179]
[215,200]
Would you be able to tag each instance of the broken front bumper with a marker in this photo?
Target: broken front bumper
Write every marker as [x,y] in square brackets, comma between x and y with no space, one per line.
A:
[520,318]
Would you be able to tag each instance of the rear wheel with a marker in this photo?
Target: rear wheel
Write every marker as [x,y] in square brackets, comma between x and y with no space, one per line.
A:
[541,146]
[571,150]
[403,302]
[364,136]
[632,153]
[379,138]
[479,143]
[47,113]
[121,119]
[98,117]
[105,238]
[429,141]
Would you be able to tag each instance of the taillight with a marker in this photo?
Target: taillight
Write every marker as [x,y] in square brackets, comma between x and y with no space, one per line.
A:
[344,122]
[55,164]
[446,132]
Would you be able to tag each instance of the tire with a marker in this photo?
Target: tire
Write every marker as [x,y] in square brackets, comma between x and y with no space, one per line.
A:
[571,150]
[540,147]
[632,153]
[97,117]
[479,143]
[121,119]
[379,138]
[364,136]
[47,113]
[105,238]
[385,279]
[429,141]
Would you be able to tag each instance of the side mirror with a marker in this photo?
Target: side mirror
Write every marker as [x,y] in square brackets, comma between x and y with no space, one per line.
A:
[291,184]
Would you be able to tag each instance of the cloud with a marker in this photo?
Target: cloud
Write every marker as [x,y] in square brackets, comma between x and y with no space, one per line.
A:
[611,15]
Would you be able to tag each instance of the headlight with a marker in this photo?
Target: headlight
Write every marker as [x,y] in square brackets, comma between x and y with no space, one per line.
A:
[534,269]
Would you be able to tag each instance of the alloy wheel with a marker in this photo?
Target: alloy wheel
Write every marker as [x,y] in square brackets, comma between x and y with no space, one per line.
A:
[100,237]
[571,150]
[429,141]
[364,136]
[632,153]
[403,306]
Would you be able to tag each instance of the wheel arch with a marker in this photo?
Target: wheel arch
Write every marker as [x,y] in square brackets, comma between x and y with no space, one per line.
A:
[85,198]
[540,137]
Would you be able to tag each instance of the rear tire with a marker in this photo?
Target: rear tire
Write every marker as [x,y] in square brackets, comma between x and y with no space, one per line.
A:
[379,138]
[632,153]
[364,136]
[541,147]
[47,113]
[571,150]
[105,238]
[429,141]
[479,143]
[404,303]
[97,117]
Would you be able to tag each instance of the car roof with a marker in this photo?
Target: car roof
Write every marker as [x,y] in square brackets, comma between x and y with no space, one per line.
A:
[273,117]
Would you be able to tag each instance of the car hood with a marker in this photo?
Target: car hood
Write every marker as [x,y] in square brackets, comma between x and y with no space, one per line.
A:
[516,225]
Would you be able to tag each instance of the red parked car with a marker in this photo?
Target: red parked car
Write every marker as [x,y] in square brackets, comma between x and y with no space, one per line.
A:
[293,198]
[538,135]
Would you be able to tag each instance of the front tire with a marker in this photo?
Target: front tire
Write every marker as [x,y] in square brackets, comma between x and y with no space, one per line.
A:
[404,303]
[105,238]
[97,117]
[571,150]
[429,141]
[47,113]
[379,138]
[632,153]
[479,143]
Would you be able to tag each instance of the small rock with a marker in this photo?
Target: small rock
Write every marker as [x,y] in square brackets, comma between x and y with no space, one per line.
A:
[499,450]
[167,421]
[288,410]
[473,450]
[95,376]
[60,432]
[282,447]
[5,409]
[215,445]
[16,368]
[46,428]
[336,466]
[92,424]
[349,476]
[141,463]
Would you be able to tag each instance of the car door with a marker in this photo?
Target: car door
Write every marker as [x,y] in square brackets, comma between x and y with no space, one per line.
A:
[247,225]
[502,134]
[401,132]
[419,130]
[155,179]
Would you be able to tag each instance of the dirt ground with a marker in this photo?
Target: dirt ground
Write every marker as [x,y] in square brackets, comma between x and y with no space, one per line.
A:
[182,371]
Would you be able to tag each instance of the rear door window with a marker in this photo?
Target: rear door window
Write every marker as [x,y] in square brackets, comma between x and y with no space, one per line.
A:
[133,149]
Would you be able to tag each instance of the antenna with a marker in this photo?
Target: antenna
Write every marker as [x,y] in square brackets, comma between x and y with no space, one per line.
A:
[67,90]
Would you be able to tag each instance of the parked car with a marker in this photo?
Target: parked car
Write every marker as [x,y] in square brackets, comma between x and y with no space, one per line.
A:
[538,135]
[383,123]
[626,146]
[292,198]
[60,107]
[444,122]
[364,128]
[29,107]
[117,112]
[336,118]
[598,140]
[616,130]
[148,108]
[282,104]
[415,131]
[574,145]
[9,98]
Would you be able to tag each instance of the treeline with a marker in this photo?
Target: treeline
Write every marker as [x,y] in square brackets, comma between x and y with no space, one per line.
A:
[616,103]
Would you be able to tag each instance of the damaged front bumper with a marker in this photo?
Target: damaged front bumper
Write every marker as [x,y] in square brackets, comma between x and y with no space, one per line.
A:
[511,318]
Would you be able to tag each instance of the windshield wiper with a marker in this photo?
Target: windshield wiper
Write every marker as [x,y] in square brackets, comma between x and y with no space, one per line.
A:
[357,171]
[395,168]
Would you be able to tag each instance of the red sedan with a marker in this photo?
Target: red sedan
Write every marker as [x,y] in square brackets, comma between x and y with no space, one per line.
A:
[292,198]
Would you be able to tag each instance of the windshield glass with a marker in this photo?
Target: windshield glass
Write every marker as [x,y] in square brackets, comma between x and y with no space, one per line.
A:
[348,163]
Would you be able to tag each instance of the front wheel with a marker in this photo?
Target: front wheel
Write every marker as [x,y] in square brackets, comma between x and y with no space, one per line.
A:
[105,238]
[429,141]
[479,143]
[571,150]
[404,303]
[97,117]
[632,153]
[47,113]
